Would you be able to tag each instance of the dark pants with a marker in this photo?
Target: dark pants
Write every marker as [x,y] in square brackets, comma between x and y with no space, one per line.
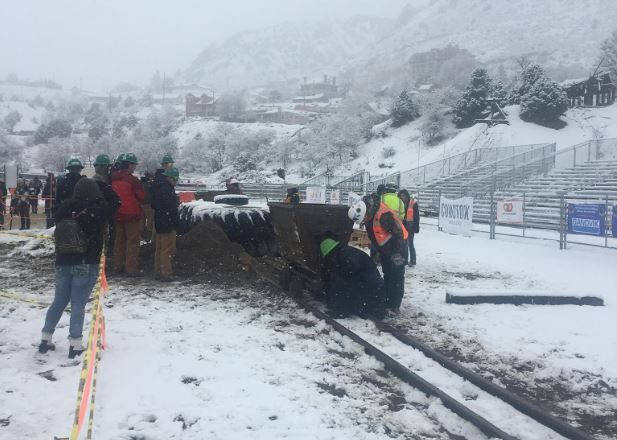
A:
[24,214]
[34,204]
[2,210]
[394,282]
[412,249]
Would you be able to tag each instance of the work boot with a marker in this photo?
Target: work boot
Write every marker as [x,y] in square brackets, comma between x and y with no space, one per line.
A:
[75,348]
[46,344]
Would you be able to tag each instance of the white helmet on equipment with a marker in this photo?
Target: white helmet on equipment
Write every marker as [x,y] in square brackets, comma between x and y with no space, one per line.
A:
[357,212]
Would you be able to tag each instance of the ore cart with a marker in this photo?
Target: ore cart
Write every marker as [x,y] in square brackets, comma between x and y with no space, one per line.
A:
[299,229]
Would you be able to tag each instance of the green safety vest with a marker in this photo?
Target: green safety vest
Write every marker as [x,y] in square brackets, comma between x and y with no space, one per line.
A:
[395,204]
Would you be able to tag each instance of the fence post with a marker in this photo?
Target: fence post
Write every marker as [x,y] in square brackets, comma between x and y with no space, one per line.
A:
[562,222]
[438,210]
[607,219]
[492,215]
[524,211]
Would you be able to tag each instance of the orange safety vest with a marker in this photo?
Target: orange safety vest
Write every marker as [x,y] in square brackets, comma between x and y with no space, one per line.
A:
[381,235]
[410,208]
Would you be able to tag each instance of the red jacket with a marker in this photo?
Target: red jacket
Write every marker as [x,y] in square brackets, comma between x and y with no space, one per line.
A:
[131,195]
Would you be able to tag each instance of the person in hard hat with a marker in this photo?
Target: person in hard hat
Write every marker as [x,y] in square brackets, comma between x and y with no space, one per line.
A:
[128,217]
[22,205]
[102,176]
[411,222]
[233,187]
[159,180]
[167,220]
[353,284]
[66,184]
[293,195]
[390,238]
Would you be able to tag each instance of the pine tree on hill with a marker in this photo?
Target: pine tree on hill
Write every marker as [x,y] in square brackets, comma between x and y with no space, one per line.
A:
[529,76]
[544,104]
[474,100]
[404,110]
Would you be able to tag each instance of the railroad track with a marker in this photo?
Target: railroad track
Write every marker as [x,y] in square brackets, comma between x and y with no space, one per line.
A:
[518,411]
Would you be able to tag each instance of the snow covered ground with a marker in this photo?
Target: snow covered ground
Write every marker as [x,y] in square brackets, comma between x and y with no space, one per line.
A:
[195,360]
[583,124]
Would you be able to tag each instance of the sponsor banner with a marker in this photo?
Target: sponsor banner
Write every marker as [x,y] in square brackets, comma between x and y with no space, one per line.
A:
[509,211]
[316,194]
[10,176]
[353,198]
[335,197]
[587,218]
[614,225]
[455,215]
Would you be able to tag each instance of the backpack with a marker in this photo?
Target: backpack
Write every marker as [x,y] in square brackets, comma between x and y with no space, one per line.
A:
[69,237]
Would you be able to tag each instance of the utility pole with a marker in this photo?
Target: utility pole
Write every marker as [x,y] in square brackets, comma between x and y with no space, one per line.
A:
[164,78]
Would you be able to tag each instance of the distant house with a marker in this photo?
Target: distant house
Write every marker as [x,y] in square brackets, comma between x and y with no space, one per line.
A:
[202,106]
[311,99]
[327,88]
[281,116]
[595,91]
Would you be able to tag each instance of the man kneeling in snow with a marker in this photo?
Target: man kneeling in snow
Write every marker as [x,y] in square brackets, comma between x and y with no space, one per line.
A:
[353,283]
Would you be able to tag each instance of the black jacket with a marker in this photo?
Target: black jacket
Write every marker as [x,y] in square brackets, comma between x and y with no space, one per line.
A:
[94,216]
[165,205]
[65,185]
[353,283]
[112,199]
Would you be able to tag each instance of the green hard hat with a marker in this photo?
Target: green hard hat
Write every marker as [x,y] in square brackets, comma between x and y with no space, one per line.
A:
[167,159]
[101,160]
[172,172]
[120,158]
[327,246]
[74,163]
[129,157]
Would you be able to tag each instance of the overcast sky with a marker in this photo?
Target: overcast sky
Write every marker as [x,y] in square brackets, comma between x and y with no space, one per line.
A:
[102,42]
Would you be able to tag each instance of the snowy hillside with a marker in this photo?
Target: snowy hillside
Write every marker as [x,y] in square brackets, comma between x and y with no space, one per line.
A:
[554,33]
[283,52]
[31,115]
[564,35]
[583,124]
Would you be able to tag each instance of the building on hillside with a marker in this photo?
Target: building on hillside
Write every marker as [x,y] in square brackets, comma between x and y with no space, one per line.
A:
[280,116]
[202,106]
[596,91]
[311,99]
[327,88]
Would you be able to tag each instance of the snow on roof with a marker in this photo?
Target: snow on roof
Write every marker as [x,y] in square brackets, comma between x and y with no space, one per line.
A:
[571,82]
[424,87]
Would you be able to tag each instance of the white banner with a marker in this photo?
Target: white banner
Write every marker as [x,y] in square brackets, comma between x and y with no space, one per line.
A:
[335,197]
[316,194]
[353,198]
[455,216]
[509,211]
[10,176]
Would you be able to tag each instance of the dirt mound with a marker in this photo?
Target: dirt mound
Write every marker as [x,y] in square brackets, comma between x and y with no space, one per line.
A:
[204,249]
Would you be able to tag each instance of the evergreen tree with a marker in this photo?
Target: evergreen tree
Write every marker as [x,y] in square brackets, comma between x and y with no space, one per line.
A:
[527,78]
[403,110]
[473,102]
[545,102]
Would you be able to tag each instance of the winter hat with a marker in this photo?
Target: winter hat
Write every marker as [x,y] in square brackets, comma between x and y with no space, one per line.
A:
[87,189]
[328,246]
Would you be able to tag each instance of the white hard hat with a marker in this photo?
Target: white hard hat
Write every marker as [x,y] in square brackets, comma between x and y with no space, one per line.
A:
[357,211]
[233,181]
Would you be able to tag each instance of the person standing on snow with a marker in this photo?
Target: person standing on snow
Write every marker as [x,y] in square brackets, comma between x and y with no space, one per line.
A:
[35,189]
[65,184]
[166,219]
[102,177]
[128,217]
[84,215]
[390,238]
[3,193]
[22,194]
[411,222]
